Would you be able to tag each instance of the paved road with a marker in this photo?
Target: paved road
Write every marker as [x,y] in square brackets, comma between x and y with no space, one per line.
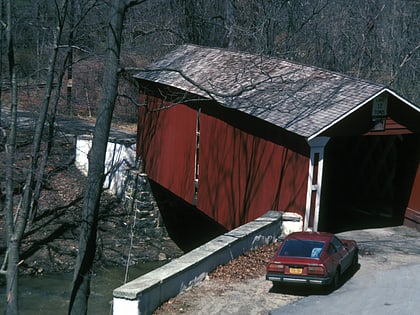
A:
[388,281]
[394,291]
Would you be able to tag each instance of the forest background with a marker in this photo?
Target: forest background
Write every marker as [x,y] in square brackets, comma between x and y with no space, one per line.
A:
[378,40]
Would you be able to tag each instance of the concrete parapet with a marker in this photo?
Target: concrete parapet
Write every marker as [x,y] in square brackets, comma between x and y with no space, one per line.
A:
[144,294]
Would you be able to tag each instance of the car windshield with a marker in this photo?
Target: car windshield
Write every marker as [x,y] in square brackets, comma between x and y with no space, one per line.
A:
[302,248]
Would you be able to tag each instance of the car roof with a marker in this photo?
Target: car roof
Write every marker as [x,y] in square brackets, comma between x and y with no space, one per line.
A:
[309,235]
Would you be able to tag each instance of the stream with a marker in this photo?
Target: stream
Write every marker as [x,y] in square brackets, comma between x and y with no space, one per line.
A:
[49,294]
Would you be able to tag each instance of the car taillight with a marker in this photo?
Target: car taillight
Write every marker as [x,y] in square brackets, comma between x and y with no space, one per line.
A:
[316,270]
[276,267]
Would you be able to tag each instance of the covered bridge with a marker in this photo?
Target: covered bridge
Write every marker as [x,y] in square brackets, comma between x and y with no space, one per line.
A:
[237,134]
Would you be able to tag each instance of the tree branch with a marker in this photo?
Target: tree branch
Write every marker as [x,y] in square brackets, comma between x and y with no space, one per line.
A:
[402,64]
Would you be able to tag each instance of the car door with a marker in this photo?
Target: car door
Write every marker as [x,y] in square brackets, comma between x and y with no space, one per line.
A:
[343,254]
[333,259]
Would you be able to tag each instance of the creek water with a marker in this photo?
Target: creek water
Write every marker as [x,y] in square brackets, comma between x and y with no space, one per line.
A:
[49,294]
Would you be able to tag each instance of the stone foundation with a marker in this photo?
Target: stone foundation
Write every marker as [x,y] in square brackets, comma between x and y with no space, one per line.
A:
[138,199]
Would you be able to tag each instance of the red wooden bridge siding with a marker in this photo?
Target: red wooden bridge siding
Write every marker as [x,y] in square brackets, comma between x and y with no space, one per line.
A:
[166,141]
[241,175]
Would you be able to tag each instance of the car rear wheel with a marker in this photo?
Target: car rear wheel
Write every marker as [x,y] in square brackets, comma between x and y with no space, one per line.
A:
[336,280]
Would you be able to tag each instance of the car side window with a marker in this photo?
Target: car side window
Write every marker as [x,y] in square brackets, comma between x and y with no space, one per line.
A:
[331,249]
[337,243]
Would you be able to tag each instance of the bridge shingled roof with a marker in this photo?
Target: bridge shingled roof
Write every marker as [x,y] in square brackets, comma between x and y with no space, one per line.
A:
[302,99]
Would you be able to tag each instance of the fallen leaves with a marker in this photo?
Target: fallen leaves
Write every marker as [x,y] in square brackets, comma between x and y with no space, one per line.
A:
[250,265]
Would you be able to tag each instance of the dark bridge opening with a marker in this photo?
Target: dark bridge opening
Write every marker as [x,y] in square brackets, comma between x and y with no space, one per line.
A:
[187,226]
[367,181]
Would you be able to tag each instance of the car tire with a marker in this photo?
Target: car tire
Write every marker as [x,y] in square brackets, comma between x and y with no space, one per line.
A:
[335,284]
[355,262]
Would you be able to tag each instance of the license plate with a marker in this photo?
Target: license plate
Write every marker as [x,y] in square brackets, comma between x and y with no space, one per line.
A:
[296,271]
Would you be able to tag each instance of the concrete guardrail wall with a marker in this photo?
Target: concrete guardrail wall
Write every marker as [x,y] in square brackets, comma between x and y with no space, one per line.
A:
[144,294]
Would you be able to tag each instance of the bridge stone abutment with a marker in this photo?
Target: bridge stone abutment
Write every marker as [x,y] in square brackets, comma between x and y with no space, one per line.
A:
[138,199]
[126,180]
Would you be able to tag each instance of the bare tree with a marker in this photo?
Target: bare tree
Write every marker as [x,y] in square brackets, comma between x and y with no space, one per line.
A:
[17,217]
[229,23]
[13,232]
[2,26]
[96,158]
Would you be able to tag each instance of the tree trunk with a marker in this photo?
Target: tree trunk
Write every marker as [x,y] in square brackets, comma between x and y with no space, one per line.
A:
[191,18]
[12,306]
[2,26]
[39,128]
[72,34]
[96,158]
[48,144]
[229,24]
[13,240]
[16,219]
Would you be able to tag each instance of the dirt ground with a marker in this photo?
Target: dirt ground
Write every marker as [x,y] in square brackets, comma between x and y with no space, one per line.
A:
[236,288]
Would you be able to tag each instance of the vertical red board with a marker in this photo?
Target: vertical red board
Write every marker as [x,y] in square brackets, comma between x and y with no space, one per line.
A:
[166,141]
[412,214]
[242,177]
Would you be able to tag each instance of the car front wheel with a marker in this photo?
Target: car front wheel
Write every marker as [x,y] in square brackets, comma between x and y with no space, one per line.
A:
[355,262]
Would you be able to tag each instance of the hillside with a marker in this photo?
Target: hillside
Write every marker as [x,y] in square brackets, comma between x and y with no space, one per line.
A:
[51,240]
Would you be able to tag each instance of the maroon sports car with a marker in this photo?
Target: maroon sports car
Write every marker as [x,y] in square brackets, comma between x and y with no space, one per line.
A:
[318,258]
